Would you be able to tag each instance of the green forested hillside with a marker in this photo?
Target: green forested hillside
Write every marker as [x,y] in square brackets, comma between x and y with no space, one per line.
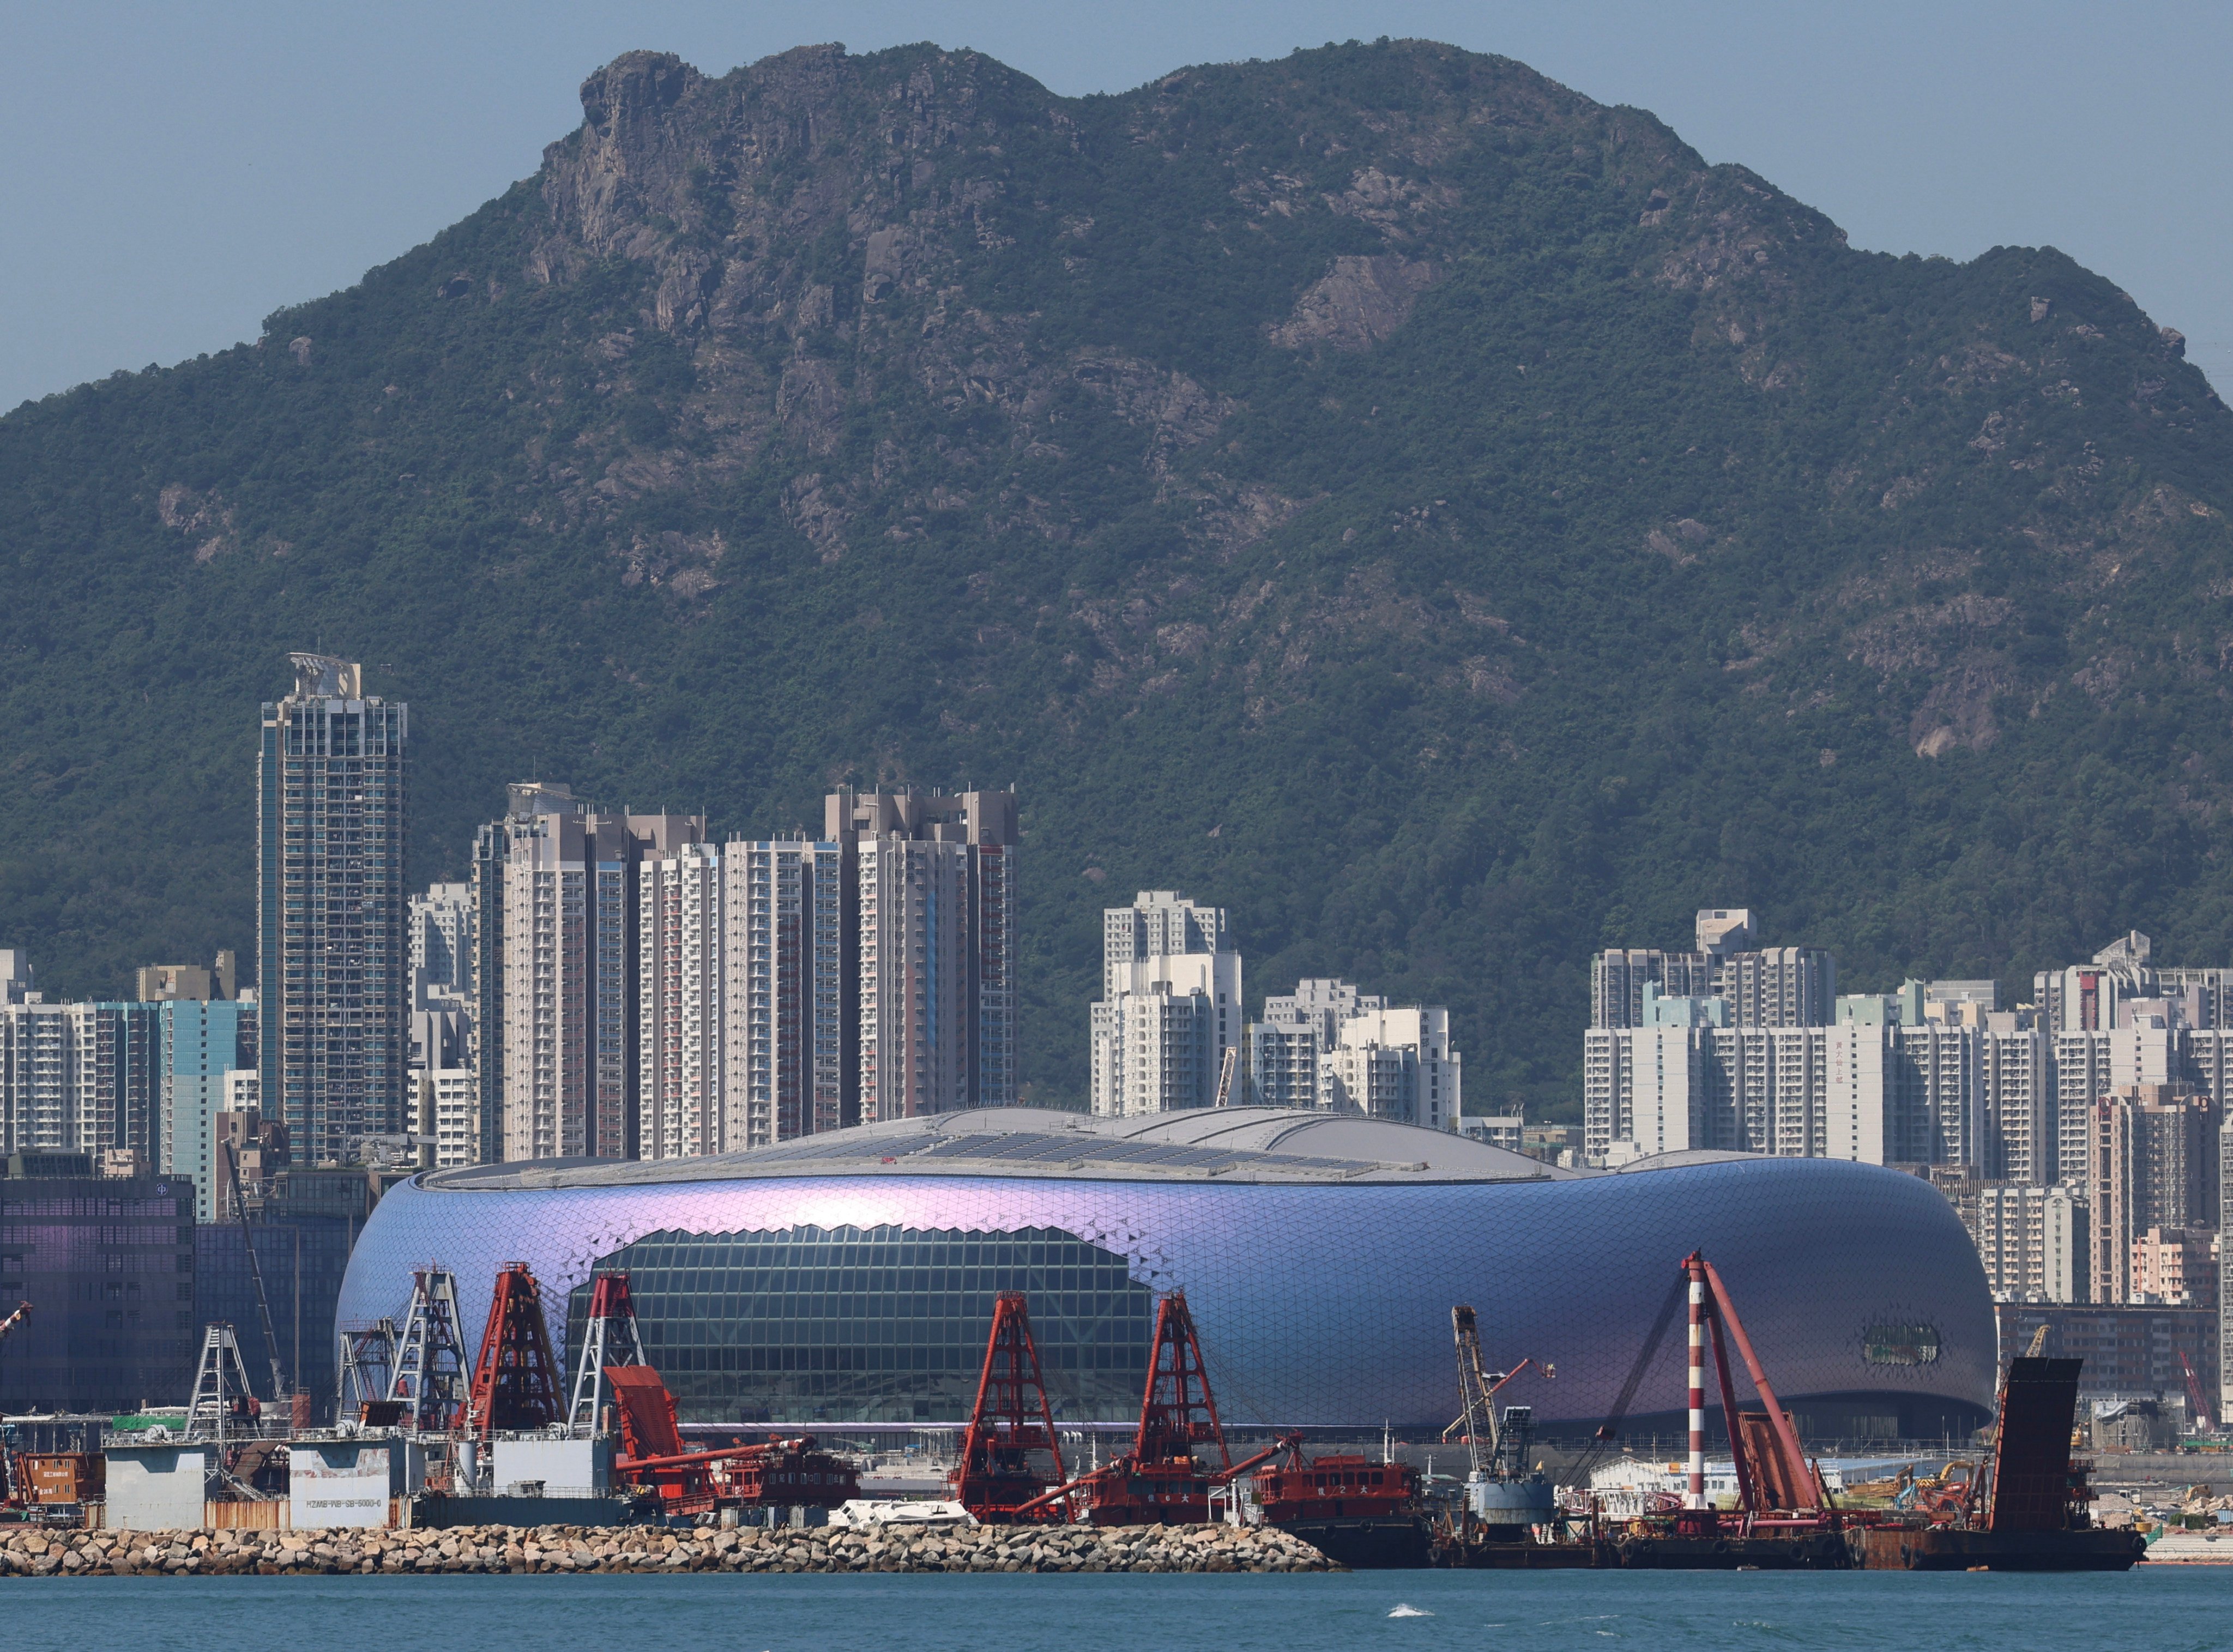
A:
[1431,514]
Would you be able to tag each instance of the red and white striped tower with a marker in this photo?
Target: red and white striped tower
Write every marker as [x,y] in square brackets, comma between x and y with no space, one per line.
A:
[1695,1266]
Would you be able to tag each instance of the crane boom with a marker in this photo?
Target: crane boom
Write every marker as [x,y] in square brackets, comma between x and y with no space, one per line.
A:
[1224,1070]
[1478,1417]
[2194,1391]
[256,1276]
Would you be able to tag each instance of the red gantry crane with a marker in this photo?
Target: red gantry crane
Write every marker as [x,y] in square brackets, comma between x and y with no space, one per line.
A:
[1010,1424]
[514,1385]
[1160,1481]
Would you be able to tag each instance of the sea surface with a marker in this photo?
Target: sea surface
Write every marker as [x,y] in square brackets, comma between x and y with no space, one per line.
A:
[2161,1609]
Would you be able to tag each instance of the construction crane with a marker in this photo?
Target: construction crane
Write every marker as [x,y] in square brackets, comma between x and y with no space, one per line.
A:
[1477,1390]
[430,1376]
[366,1359]
[10,1494]
[1011,1423]
[1159,1481]
[2193,1392]
[654,1458]
[255,1274]
[515,1383]
[610,1339]
[1776,1479]
[1225,1071]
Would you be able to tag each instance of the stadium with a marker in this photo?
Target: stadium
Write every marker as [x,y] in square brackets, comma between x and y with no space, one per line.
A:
[849,1277]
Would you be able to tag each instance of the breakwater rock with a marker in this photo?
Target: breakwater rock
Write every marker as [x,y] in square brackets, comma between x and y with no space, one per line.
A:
[49,1553]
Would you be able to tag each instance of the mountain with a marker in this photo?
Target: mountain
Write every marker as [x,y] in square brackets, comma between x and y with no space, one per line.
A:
[1435,516]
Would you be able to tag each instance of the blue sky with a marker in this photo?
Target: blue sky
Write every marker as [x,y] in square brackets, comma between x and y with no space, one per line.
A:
[174,173]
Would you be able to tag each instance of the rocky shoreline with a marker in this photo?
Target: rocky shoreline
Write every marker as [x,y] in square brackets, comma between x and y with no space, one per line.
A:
[43,1553]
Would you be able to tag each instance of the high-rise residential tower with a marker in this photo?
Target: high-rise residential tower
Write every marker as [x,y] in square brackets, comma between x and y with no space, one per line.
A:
[931,930]
[794,981]
[554,888]
[332,781]
[1773,987]
[1170,1006]
[680,1091]
[441,940]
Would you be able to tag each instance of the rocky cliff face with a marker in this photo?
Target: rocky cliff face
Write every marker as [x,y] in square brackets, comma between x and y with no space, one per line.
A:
[1434,514]
[842,246]
[822,231]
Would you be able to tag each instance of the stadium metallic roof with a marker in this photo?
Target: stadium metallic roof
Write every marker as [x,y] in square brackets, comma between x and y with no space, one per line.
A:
[1241,1144]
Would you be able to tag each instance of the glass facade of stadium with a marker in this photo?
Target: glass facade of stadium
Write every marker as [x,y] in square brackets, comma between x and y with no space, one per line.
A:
[828,1298]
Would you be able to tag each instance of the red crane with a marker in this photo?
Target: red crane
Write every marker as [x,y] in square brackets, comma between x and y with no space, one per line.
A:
[1159,1481]
[781,1473]
[1776,1484]
[515,1382]
[1010,1425]
[2194,1393]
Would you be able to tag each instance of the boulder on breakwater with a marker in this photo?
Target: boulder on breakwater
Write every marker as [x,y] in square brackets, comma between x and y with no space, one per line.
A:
[42,1552]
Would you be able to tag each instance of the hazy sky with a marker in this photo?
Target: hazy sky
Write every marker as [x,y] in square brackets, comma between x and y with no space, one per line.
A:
[173,173]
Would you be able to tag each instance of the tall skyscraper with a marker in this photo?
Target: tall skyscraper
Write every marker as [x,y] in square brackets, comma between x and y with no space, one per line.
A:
[554,887]
[932,931]
[680,958]
[792,1016]
[1170,1006]
[332,780]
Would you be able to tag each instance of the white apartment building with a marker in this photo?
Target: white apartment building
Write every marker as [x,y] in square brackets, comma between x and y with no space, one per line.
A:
[1772,987]
[1286,1047]
[2032,1241]
[1170,1006]
[785,1018]
[917,1012]
[1932,1075]
[55,1092]
[2016,1076]
[680,973]
[449,1114]
[1836,1092]
[1394,1063]
[1328,1045]
[441,936]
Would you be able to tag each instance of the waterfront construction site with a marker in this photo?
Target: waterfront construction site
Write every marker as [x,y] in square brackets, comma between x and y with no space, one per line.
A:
[485,1441]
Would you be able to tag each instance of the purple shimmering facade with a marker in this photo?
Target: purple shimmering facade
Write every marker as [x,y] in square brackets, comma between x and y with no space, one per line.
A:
[866,1298]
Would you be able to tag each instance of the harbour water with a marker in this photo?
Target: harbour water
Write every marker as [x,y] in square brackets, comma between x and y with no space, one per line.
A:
[2165,1610]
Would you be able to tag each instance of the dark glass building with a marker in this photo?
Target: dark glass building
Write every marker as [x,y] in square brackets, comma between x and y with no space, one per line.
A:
[108,1267]
[850,1277]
